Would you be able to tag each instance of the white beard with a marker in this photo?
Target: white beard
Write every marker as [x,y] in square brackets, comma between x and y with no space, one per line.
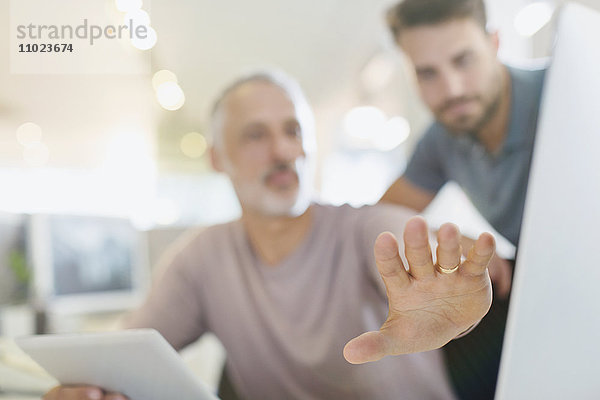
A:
[258,197]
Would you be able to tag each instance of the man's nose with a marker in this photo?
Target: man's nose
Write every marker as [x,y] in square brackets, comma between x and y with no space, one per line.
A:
[453,85]
[286,148]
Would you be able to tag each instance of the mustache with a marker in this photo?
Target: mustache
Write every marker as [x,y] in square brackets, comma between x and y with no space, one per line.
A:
[456,101]
[280,167]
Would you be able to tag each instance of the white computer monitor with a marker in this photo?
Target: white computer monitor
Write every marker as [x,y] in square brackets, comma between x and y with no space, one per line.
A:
[87,264]
[552,347]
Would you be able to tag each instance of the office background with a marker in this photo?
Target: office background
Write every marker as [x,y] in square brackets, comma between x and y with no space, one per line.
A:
[124,155]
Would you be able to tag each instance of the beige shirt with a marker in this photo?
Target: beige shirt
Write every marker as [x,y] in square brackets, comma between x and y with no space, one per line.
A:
[284,327]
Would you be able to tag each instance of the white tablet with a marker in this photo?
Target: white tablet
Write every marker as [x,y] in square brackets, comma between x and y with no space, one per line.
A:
[138,363]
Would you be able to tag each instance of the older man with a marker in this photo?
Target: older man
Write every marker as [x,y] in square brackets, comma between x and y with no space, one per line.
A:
[288,285]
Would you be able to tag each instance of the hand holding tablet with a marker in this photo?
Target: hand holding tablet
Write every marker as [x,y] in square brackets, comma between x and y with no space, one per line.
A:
[137,363]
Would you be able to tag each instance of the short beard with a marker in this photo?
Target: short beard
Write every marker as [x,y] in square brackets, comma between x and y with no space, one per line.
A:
[488,113]
[490,110]
[257,197]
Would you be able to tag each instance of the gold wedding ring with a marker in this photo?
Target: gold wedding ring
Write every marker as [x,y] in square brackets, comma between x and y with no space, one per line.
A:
[447,270]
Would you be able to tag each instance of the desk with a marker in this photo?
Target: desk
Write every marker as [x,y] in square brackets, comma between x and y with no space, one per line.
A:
[20,377]
[18,397]
[20,385]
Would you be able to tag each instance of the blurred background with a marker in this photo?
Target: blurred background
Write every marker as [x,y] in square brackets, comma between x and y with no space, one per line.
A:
[100,171]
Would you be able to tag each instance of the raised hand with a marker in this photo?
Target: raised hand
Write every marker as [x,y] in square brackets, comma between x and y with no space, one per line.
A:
[81,393]
[429,304]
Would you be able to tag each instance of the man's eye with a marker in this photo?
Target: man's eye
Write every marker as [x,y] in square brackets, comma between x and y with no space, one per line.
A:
[464,60]
[425,75]
[255,135]
[294,130]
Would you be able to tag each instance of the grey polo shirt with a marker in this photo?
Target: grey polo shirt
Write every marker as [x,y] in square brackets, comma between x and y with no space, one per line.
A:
[496,184]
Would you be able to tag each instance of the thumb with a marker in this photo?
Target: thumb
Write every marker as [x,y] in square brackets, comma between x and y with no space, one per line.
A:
[369,346]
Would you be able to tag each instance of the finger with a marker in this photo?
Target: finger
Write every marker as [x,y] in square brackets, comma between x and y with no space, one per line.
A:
[74,393]
[502,279]
[115,396]
[369,346]
[389,263]
[479,255]
[52,394]
[448,251]
[507,281]
[416,248]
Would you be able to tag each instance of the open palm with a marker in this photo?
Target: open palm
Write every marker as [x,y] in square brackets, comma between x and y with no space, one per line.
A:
[427,307]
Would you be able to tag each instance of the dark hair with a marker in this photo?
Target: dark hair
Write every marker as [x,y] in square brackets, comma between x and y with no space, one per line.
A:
[412,13]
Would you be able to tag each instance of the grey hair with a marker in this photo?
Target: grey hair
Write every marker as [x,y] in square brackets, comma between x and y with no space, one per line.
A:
[279,79]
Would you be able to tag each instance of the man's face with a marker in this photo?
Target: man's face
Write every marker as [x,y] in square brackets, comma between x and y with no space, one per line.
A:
[263,151]
[457,71]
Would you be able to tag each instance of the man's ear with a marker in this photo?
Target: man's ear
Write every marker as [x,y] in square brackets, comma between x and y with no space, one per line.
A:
[495,40]
[215,159]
